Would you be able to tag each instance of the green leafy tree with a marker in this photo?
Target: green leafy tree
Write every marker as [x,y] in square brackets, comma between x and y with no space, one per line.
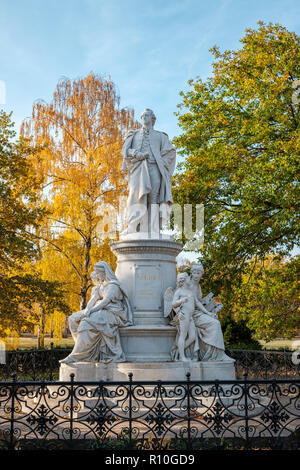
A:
[240,140]
[241,143]
[18,187]
[268,301]
[20,286]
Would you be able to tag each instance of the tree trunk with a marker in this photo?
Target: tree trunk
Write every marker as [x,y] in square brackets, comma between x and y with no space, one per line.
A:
[38,336]
[41,332]
[83,294]
[66,328]
[85,278]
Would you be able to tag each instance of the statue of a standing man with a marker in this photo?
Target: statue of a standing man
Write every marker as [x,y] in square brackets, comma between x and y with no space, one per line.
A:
[149,158]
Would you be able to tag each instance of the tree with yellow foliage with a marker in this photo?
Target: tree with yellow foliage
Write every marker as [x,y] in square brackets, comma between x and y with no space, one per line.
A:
[81,132]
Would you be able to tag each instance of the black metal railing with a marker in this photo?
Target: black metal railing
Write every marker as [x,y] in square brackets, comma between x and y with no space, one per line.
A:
[243,414]
[265,364]
[33,364]
[44,364]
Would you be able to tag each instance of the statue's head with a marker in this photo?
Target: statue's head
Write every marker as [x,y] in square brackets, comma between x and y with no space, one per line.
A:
[182,278]
[148,117]
[98,276]
[197,271]
[102,272]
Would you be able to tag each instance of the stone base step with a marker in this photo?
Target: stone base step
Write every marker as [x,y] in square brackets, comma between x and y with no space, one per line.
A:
[148,371]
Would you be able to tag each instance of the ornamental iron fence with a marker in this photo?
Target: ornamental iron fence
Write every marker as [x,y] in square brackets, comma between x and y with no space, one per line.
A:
[44,364]
[163,415]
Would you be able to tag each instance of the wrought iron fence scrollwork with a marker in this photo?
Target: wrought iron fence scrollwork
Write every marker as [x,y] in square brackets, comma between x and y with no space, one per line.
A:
[242,414]
[265,364]
[44,364]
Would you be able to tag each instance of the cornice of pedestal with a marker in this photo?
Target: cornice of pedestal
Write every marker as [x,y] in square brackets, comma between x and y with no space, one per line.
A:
[166,246]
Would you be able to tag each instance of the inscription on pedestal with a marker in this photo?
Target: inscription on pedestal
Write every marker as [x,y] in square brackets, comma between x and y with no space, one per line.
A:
[147,292]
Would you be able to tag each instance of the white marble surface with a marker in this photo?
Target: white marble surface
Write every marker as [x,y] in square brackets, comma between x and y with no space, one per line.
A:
[149,159]
[199,334]
[146,268]
[124,329]
[95,329]
[91,371]
[147,343]
[146,236]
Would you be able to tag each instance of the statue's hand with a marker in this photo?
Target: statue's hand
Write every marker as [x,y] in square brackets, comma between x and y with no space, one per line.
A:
[133,155]
[211,314]
[142,156]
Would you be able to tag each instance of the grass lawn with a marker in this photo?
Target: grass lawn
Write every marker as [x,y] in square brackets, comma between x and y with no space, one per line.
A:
[30,342]
[282,343]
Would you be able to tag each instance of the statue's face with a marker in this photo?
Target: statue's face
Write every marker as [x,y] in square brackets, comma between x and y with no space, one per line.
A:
[147,117]
[98,276]
[94,278]
[182,279]
[196,273]
[101,275]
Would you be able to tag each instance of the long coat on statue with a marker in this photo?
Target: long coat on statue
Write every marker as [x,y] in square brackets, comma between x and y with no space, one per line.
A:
[139,184]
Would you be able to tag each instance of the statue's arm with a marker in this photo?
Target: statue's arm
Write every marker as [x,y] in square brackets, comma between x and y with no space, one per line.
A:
[135,155]
[109,296]
[168,153]
[201,307]
[131,155]
[177,300]
[125,148]
[94,298]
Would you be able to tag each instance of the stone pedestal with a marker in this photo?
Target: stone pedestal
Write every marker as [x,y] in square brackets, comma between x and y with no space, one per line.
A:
[146,268]
[149,343]
[148,371]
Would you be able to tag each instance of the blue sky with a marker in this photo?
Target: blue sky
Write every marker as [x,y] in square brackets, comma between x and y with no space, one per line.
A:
[150,48]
